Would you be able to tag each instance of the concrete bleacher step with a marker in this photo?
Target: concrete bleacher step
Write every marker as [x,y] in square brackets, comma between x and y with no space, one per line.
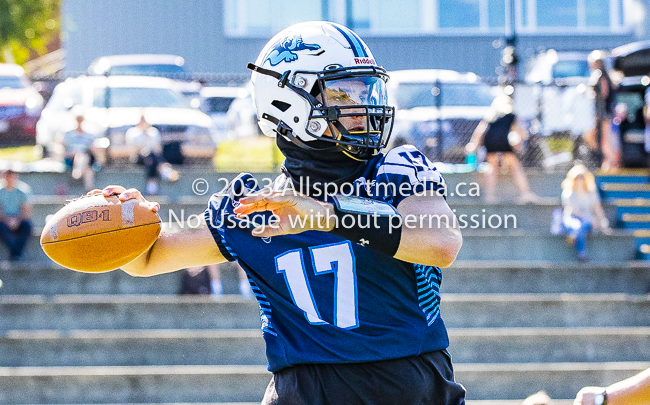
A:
[544,183]
[142,384]
[132,347]
[50,183]
[69,312]
[469,402]
[488,244]
[528,245]
[48,278]
[246,347]
[549,345]
[529,276]
[484,276]
[545,310]
[529,216]
[240,403]
[107,312]
[559,380]
[514,215]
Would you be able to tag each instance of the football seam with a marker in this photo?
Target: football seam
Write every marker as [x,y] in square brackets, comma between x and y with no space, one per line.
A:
[100,233]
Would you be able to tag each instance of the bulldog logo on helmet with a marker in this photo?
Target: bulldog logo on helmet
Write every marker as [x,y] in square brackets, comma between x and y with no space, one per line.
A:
[285,50]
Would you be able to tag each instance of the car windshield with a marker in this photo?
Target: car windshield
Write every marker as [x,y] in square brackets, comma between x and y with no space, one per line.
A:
[217,104]
[147,70]
[11,82]
[412,95]
[139,97]
[570,68]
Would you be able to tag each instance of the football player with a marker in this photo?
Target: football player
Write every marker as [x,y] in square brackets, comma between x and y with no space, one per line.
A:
[343,251]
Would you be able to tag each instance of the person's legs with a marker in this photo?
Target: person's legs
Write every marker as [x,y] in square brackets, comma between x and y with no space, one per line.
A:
[89,178]
[80,163]
[21,236]
[519,177]
[491,177]
[581,240]
[151,163]
[610,161]
[216,288]
[7,237]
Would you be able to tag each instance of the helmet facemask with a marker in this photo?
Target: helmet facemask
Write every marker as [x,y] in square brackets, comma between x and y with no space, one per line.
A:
[353,102]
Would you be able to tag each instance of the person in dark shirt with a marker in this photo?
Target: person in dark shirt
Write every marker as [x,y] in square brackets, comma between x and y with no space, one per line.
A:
[501,135]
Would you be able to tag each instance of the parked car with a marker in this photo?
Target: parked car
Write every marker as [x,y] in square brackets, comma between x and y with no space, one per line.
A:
[437,110]
[557,99]
[216,101]
[113,104]
[169,66]
[20,106]
[633,62]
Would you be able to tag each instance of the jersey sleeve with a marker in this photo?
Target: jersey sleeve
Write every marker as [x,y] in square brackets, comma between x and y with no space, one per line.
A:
[405,171]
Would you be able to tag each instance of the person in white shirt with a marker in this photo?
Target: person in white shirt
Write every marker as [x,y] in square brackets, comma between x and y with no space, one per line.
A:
[80,153]
[146,150]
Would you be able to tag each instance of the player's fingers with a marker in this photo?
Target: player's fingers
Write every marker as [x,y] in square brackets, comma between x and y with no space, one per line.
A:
[155,207]
[130,194]
[268,204]
[113,190]
[254,198]
[94,191]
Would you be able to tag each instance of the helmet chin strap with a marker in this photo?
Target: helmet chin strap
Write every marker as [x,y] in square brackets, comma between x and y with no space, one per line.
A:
[310,167]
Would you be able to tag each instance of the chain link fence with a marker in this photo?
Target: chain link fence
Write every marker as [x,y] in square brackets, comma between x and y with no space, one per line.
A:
[440,118]
[440,122]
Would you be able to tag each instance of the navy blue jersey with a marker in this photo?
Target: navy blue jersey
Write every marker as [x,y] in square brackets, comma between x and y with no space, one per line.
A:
[325,299]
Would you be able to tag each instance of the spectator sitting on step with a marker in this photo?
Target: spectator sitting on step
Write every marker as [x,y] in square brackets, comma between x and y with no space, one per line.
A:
[15,212]
[216,287]
[146,150]
[631,391]
[80,153]
[207,280]
[195,281]
[582,210]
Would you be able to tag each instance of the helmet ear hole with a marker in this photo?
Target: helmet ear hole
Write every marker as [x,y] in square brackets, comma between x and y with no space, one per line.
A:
[315,90]
[280,105]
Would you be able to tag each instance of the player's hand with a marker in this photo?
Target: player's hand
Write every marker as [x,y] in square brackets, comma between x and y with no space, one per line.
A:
[294,212]
[586,395]
[123,195]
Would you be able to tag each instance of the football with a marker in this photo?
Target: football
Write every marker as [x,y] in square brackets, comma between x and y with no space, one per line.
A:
[96,234]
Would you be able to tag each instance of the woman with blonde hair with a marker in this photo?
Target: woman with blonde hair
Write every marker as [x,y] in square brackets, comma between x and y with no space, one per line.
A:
[501,135]
[582,210]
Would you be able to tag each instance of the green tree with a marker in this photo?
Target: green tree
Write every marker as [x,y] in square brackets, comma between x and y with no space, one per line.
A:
[27,27]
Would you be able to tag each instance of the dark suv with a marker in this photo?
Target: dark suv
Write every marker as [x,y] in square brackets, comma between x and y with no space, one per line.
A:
[633,61]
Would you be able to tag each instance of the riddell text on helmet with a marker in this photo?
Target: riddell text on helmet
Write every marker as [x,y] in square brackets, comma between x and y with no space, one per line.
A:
[364,61]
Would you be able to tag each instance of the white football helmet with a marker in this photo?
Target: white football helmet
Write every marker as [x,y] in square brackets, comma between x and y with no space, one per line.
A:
[318,81]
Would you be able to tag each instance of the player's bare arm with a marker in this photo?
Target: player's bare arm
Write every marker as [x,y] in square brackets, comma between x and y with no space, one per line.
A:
[430,234]
[175,249]
[435,238]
